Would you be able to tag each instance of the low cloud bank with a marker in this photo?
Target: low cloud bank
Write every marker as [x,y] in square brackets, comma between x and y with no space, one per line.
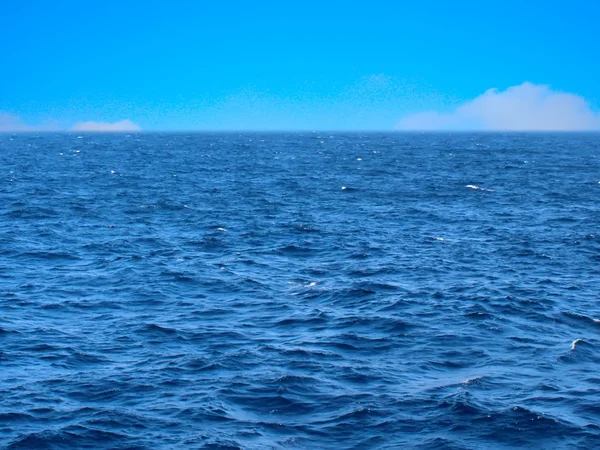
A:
[8,122]
[14,124]
[123,125]
[527,107]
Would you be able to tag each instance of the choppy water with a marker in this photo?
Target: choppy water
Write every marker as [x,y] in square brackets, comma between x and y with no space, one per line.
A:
[299,291]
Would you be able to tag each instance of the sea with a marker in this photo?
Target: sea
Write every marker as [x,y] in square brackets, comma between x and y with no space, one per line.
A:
[318,290]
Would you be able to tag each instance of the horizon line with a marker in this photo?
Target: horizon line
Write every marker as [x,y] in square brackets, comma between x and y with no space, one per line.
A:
[192,131]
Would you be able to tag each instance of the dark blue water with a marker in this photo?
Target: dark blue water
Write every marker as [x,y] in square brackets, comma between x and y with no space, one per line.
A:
[307,291]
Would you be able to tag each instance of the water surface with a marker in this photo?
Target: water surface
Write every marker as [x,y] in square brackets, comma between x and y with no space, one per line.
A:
[309,291]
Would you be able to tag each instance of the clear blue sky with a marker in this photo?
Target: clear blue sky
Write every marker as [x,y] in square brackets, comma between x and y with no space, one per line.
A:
[284,65]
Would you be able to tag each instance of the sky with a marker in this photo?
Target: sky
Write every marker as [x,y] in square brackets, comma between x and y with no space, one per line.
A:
[312,65]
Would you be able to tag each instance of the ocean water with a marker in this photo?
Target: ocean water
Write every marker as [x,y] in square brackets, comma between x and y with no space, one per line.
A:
[300,291]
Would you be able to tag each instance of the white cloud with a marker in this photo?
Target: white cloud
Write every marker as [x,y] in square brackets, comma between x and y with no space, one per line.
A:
[527,107]
[14,124]
[8,122]
[123,125]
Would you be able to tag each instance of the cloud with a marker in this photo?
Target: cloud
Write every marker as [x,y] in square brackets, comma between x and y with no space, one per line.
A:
[123,125]
[527,107]
[8,122]
[14,124]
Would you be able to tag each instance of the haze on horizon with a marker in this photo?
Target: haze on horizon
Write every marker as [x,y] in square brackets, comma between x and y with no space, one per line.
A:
[436,65]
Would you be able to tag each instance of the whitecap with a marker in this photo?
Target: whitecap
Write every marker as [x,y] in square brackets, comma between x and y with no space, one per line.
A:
[575,342]
[472,380]
[472,186]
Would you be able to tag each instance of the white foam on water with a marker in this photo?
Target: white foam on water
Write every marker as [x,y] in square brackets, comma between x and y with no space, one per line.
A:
[472,186]
[472,380]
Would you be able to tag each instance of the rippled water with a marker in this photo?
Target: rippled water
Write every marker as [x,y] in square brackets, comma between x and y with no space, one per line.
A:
[299,291]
